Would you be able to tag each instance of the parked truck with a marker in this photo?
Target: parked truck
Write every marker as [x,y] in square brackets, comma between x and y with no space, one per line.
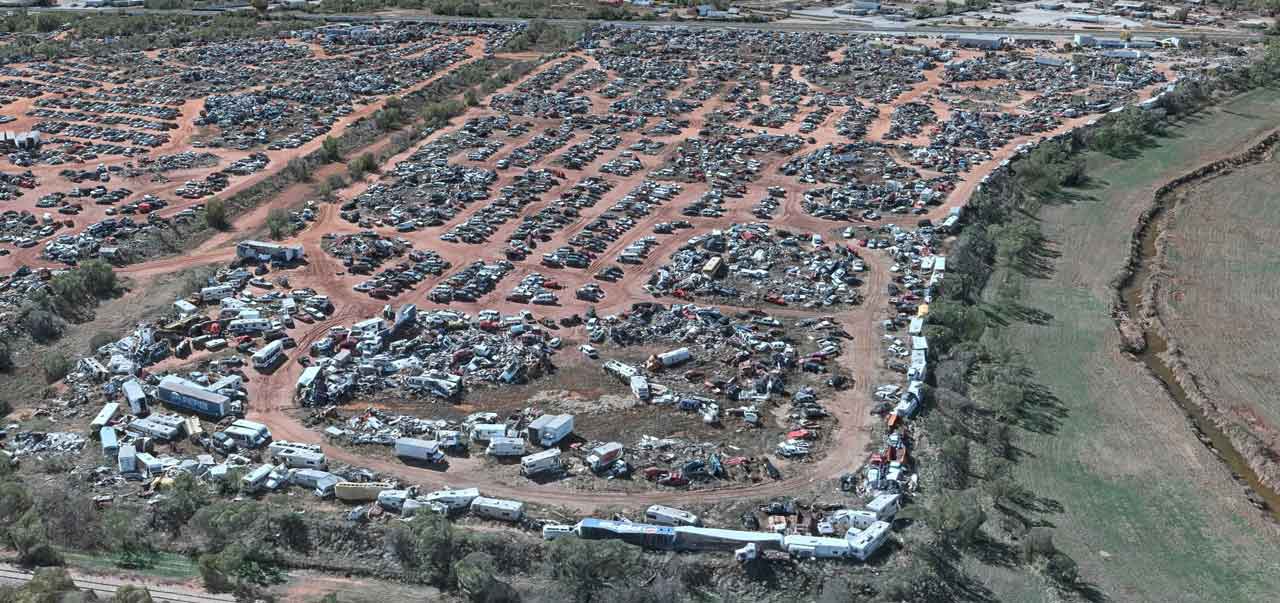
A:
[548,430]
[424,451]
[604,455]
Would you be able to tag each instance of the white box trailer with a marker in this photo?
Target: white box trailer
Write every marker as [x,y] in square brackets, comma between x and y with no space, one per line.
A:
[135,396]
[127,459]
[483,432]
[245,326]
[108,412]
[454,499]
[496,508]
[255,479]
[555,531]
[320,482]
[504,446]
[300,458]
[162,427]
[675,357]
[427,451]
[885,506]
[669,516]
[640,387]
[864,544]
[857,519]
[110,441]
[817,547]
[151,464]
[547,461]
[548,430]
[216,292]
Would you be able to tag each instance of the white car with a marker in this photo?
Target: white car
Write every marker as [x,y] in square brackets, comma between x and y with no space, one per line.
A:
[589,350]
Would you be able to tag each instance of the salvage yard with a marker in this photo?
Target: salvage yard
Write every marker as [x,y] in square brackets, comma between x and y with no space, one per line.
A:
[662,266]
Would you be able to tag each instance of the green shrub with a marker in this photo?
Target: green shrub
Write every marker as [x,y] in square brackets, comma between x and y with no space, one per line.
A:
[215,214]
[56,365]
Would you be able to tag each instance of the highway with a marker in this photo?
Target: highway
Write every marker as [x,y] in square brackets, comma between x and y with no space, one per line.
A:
[1012,32]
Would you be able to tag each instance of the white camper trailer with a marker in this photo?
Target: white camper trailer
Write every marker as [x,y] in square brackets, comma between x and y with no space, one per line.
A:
[495,508]
[547,461]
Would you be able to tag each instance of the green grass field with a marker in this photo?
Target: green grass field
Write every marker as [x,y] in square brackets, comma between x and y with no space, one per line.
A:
[1222,280]
[1147,512]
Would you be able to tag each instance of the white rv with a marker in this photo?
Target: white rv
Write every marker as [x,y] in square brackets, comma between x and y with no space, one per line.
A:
[669,516]
[547,461]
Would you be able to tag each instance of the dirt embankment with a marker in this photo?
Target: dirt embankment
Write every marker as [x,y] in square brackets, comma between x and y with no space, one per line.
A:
[1138,319]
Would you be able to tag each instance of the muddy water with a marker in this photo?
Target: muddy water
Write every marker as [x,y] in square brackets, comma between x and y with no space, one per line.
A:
[1209,434]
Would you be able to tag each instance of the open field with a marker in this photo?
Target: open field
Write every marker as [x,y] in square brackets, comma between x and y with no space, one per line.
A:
[1145,509]
[1218,277]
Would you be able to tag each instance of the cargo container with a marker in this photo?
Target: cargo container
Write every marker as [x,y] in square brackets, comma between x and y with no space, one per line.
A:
[259,250]
[494,508]
[413,449]
[675,357]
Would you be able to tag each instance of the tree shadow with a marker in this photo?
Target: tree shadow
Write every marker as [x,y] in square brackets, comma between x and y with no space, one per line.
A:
[1042,411]
[995,553]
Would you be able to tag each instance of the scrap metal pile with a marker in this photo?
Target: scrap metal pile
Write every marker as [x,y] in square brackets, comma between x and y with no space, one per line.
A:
[754,263]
